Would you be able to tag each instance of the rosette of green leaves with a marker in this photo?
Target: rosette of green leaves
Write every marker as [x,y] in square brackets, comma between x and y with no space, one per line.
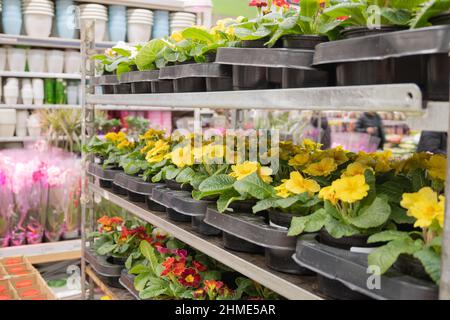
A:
[119,63]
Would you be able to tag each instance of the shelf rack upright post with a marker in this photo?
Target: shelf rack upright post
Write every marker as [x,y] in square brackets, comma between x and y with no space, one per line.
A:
[405,98]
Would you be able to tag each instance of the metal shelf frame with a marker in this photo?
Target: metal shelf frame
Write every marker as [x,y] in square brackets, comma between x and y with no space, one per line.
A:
[50,42]
[47,75]
[405,98]
[286,285]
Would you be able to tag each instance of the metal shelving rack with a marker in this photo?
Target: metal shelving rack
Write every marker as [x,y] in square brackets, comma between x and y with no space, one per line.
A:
[403,98]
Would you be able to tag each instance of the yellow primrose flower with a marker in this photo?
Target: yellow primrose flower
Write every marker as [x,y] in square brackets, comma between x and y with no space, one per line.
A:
[329,194]
[160,146]
[282,192]
[152,134]
[366,159]
[355,168]
[437,167]
[240,171]
[299,159]
[211,151]
[125,144]
[176,36]
[351,189]
[425,206]
[338,154]
[230,31]
[298,185]
[323,168]
[115,138]
[155,159]
[186,156]
[311,145]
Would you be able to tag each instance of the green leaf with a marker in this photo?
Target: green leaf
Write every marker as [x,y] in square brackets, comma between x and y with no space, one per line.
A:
[372,216]
[399,216]
[226,198]
[431,261]
[309,8]
[198,34]
[338,229]
[265,204]
[254,186]
[418,179]
[217,184]
[185,175]
[386,236]
[385,256]
[149,253]
[398,17]
[153,291]
[141,280]
[312,223]
[290,201]
[148,54]
[353,10]
[429,9]
[106,248]
[122,68]
[122,52]
[171,172]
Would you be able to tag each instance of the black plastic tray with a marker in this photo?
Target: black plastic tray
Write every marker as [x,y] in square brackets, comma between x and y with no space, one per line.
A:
[173,185]
[105,177]
[139,76]
[254,229]
[120,184]
[162,86]
[195,70]
[138,189]
[350,269]
[423,41]
[127,281]
[101,265]
[106,82]
[122,88]
[153,206]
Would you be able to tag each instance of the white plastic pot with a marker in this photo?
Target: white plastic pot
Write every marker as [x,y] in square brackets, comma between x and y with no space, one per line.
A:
[21,123]
[55,61]
[36,60]
[139,32]
[17,58]
[72,94]
[11,94]
[34,125]
[27,96]
[38,24]
[72,61]
[100,27]
[38,91]
[7,122]
[2,59]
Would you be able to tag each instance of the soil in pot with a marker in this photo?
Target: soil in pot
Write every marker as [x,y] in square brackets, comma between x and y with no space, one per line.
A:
[173,185]
[305,42]
[219,84]
[237,244]
[123,88]
[141,87]
[250,78]
[162,86]
[437,77]
[176,216]
[153,206]
[192,84]
[346,243]
[411,266]
[336,290]
[204,228]
[355,32]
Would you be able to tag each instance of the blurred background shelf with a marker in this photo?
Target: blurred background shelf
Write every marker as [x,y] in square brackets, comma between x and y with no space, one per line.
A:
[51,42]
[16,74]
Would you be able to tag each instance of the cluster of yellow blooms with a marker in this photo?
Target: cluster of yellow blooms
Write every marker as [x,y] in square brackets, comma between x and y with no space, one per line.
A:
[426,206]
[119,140]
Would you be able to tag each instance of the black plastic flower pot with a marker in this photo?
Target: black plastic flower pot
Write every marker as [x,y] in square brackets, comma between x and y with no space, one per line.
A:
[411,266]
[281,260]
[203,228]
[441,19]
[162,86]
[153,206]
[250,78]
[192,84]
[275,77]
[346,243]
[107,89]
[105,184]
[119,190]
[136,197]
[111,281]
[120,261]
[105,177]
[102,264]
[297,78]
[219,84]
[176,216]
[237,244]
[173,185]
[123,88]
[336,290]
[242,206]
[356,32]
[306,42]
[280,219]
[410,69]
[259,43]
[438,80]
[141,87]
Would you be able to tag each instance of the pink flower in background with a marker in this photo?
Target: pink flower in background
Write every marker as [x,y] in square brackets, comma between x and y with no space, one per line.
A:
[2,178]
[55,176]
